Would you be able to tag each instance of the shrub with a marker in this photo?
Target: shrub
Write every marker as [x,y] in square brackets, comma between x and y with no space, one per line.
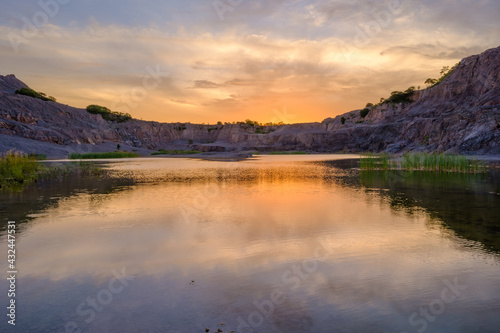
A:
[398,97]
[445,72]
[363,113]
[252,122]
[430,82]
[342,120]
[107,114]
[31,93]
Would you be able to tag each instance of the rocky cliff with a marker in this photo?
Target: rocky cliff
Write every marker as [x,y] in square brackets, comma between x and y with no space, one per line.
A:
[461,114]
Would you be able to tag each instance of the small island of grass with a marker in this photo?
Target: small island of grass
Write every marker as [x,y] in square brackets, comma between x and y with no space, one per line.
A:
[113,154]
[175,152]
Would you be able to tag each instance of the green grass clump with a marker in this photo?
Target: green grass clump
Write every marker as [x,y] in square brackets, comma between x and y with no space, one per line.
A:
[175,152]
[441,163]
[288,153]
[17,168]
[114,154]
[38,156]
[422,162]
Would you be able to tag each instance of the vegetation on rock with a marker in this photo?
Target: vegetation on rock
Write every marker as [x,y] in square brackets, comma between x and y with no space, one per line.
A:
[107,114]
[445,72]
[363,113]
[31,93]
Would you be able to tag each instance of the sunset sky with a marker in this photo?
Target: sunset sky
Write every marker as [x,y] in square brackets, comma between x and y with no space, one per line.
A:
[229,60]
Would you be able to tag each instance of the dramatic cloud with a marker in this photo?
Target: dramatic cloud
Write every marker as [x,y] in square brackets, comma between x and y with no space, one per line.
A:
[204,61]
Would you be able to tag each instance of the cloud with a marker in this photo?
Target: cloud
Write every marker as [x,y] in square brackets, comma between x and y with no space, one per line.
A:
[204,84]
[317,58]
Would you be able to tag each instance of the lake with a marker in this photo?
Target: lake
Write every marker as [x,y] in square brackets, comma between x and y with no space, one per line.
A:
[304,243]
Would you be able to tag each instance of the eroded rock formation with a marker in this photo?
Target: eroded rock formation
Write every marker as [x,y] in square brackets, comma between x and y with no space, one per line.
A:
[461,114]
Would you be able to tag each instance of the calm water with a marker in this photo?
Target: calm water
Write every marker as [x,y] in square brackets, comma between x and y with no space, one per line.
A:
[275,244]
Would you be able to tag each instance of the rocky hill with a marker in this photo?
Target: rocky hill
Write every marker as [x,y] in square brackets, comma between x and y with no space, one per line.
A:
[461,114]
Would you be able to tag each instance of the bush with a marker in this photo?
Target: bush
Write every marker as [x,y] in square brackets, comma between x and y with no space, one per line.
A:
[252,122]
[31,93]
[363,113]
[342,120]
[107,114]
[398,97]
[445,72]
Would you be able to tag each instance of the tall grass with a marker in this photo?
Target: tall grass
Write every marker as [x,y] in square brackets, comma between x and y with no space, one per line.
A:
[114,154]
[17,168]
[371,161]
[422,162]
[441,163]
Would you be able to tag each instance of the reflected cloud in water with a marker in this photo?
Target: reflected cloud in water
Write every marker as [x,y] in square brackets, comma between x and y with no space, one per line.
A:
[207,241]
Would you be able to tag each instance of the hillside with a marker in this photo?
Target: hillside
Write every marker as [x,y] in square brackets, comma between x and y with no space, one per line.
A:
[461,114]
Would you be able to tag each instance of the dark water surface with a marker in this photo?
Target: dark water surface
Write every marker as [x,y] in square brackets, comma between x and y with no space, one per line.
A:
[275,244]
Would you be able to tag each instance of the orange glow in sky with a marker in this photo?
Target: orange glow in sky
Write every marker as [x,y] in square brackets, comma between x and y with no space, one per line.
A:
[290,61]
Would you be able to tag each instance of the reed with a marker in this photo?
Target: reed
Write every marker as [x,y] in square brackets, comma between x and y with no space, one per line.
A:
[422,162]
[371,161]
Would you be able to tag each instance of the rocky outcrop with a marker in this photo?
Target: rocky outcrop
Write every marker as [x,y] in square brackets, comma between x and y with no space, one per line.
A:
[461,114]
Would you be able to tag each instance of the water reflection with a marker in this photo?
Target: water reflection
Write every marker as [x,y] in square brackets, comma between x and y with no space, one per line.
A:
[467,204]
[276,244]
